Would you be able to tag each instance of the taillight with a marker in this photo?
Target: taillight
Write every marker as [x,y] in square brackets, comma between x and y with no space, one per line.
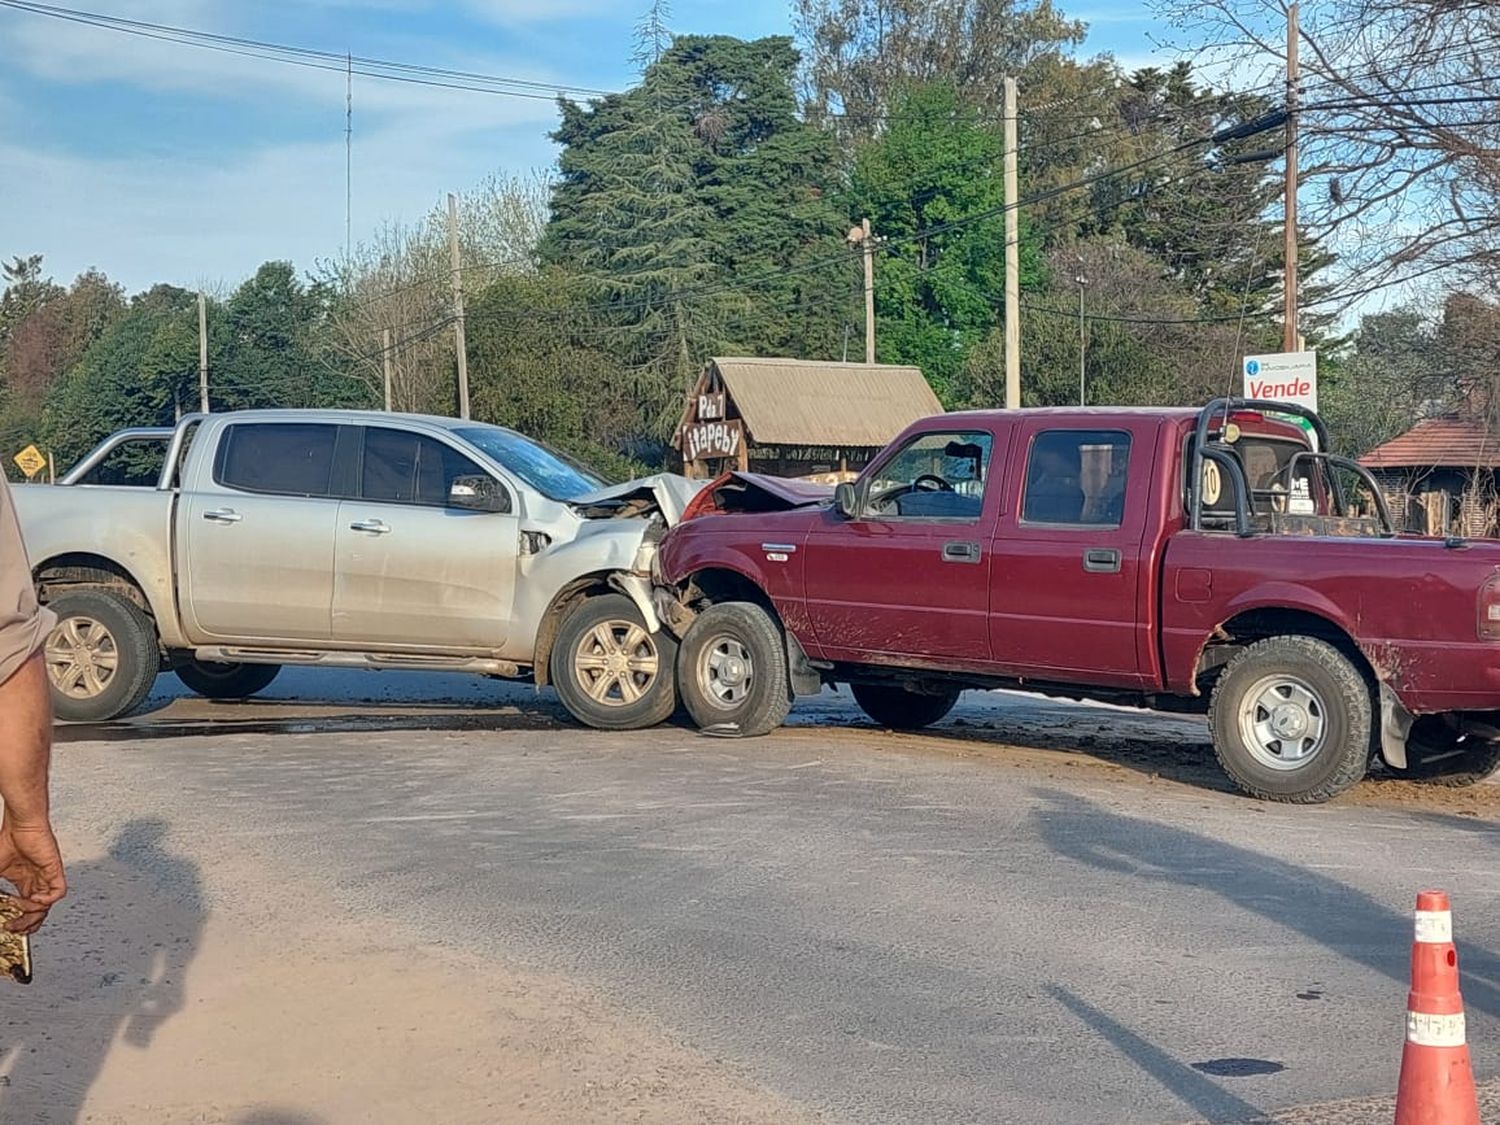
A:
[706,503]
[1489,610]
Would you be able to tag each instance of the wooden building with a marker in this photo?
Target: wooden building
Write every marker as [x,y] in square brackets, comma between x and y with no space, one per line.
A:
[797,418]
[1440,477]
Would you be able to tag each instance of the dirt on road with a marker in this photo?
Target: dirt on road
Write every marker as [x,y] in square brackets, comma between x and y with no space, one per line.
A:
[149,1007]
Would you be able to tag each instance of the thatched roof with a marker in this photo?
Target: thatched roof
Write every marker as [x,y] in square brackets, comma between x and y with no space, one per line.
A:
[803,402]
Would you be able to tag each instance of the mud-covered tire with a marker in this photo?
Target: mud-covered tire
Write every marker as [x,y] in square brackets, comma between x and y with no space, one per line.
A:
[213,680]
[1437,753]
[122,662]
[611,672]
[1291,720]
[732,670]
[899,708]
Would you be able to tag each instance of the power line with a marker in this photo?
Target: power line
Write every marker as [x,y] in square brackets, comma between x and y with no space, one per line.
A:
[385,69]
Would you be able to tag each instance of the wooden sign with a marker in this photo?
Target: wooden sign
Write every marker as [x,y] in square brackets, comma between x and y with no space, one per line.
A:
[711,408]
[701,440]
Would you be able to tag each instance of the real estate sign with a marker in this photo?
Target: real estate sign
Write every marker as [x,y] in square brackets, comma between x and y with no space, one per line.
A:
[1283,377]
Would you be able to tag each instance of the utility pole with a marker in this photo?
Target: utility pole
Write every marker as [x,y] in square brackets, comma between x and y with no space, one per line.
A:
[860,236]
[202,353]
[458,308]
[1289,284]
[349,160]
[1012,256]
[385,364]
[1082,355]
[869,292]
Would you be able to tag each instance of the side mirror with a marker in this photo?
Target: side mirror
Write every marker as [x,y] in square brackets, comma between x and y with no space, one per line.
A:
[846,501]
[479,494]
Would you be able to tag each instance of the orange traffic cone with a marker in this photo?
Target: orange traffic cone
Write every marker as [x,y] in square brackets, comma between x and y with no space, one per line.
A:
[1437,1086]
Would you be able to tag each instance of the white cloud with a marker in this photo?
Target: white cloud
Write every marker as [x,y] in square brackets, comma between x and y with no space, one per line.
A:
[76,54]
[185,207]
[144,220]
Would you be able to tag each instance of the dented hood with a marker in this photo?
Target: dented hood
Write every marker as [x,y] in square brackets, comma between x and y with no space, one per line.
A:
[667,493]
[751,492]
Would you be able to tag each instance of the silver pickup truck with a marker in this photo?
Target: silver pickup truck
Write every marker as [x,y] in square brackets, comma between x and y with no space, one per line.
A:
[237,543]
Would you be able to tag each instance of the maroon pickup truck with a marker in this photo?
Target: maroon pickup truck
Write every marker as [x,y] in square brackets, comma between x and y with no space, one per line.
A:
[1218,561]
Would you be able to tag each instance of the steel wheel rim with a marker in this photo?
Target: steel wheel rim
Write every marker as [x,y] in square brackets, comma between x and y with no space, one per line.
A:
[1283,722]
[82,657]
[616,663]
[726,672]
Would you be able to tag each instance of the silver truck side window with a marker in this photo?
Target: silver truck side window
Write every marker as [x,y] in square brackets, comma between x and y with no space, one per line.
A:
[405,468]
[1076,478]
[281,458]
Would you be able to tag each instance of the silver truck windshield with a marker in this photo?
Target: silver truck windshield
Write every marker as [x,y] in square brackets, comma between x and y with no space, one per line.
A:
[553,474]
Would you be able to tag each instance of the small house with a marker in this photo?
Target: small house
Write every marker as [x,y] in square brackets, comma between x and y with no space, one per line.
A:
[797,418]
[1440,476]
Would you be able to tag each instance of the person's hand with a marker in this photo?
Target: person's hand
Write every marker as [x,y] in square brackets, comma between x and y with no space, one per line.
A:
[30,861]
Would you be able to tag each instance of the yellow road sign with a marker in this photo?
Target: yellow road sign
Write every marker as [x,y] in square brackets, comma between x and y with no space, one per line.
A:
[31,461]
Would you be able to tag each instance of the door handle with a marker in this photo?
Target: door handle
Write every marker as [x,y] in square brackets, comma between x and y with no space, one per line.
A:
[1100,560]
[222,515]
[961,552]
[375,527]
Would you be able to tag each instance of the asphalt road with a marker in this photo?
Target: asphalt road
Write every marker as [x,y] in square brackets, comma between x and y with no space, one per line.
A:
[1040,913]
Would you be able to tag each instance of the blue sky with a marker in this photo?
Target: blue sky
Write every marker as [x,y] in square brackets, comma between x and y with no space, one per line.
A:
[160,162]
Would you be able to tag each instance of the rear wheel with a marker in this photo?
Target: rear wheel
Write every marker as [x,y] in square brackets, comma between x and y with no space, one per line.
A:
[901,708]
[732,670]
[611,672]
[102,657]
[1443,753]
[213,680]
[1291,720]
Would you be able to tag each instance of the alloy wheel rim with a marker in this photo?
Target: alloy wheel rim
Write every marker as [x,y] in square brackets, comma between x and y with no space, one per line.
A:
[616,663]
[82,657]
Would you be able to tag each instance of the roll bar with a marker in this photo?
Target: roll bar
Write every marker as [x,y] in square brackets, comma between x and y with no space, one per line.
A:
[1225,408]
[122,437]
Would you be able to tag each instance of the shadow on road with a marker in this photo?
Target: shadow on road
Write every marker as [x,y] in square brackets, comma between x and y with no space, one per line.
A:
[1205,1098]
[110,969]
[275,1115]
[1335,916]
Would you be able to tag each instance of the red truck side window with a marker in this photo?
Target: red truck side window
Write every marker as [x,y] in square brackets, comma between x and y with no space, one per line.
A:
[938,476]
[1076,478]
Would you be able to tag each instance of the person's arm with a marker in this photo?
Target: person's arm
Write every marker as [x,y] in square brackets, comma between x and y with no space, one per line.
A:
[29,858]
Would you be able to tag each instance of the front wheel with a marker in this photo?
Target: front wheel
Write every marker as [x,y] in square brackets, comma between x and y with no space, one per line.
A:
[102,657]
[902,709]
[1442,753]
[732,670]
[611,672]
[213,680]
[1291,720]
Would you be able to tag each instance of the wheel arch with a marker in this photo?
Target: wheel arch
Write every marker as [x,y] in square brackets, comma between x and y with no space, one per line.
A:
[1261,622]
[84,570]
[713,584]
[571,595]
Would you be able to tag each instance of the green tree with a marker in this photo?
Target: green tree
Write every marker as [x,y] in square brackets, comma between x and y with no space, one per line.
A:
[276,346]
[933,189]
[698,207]
[526,373]
[140,372]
